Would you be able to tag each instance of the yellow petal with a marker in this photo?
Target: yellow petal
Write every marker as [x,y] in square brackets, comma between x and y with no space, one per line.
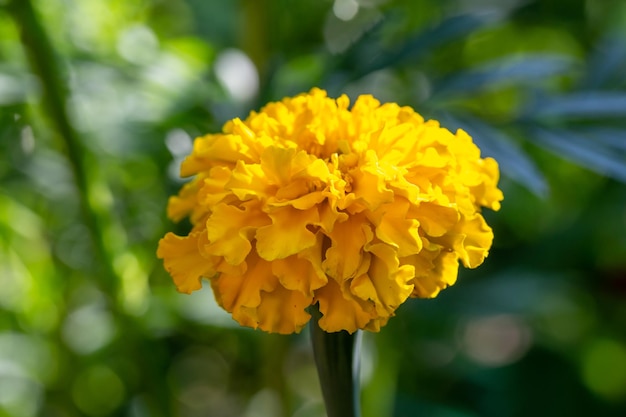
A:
[276,164]
[430,157]
[386,283]
[211,150]
[339,313]
[288,234]
[283,311]
[302,272]
[470,238]
[297,195]
[364,104]
[397,230]
[248,181]
[230,230]
[443,271]
[477,240]
[184,203]
[375,325]
[239,128]
[393,141]
[403,188]
[289,192]
[435,219]
[465,147]
[212,189]
[183,261]
[345,254]
[240,294]
[369,185]
[487,193]
[308,167]
[255,298]
[329,215]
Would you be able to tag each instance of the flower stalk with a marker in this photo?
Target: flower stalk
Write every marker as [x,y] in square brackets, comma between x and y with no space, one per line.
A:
[337,357]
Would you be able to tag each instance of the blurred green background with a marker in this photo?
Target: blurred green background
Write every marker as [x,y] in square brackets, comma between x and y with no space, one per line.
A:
[100,100]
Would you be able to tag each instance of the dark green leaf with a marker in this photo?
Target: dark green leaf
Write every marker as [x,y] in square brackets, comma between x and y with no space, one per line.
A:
[609,137]
[582,150]
[585,105]
[423,43]
[607,64]
[525,69]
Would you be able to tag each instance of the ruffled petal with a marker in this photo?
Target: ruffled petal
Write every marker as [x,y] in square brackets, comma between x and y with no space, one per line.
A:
[276,164]
[347,240]
[338,312]
[310,168]
[283,311]
[288,234]
[369,188]
[183,261]
[435,219]
[386,283]
[434,271]
[211,149]
[240,293]
[487,193]
[230,230]
[329,215]
[477,239]
[470,238]
[247,181]
[212,190]
[302,272]
[181,205]
[395,229]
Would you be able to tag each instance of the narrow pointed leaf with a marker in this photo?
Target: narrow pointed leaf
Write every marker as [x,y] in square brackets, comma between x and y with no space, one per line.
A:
[518,70]
[424,42]
[612,138]
[581,150]
[607,64]
[585,105]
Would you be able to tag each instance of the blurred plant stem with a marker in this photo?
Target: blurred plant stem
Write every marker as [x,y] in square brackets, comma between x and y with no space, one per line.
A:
[380,391]
[45,65]
[275,349]
[255,37]
[337,357]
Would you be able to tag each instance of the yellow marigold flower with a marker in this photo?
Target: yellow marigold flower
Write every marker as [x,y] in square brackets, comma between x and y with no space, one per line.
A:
[311,201]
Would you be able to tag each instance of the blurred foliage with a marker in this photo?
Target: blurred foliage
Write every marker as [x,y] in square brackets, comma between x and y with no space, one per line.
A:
[99,102]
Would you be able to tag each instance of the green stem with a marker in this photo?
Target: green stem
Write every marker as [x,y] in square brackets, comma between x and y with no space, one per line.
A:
[44,63]
[337,357]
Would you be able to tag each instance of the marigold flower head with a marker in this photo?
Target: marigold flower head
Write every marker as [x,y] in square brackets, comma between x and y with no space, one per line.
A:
[311,201]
